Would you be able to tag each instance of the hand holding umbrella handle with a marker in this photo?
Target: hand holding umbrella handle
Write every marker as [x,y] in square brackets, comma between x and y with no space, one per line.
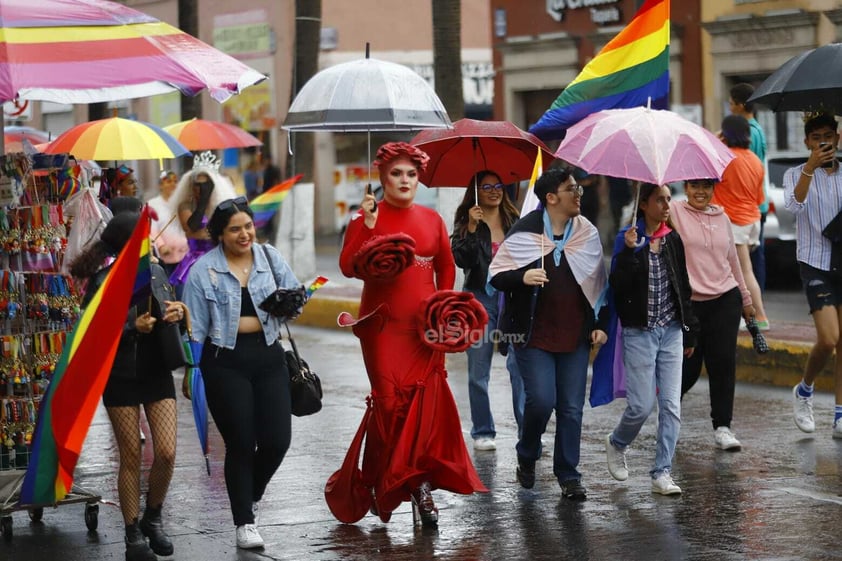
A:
[369,210]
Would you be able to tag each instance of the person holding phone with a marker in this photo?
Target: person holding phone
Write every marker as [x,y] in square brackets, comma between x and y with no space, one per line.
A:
[813,193]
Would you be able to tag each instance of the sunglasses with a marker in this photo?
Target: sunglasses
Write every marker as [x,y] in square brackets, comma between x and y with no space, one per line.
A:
[231,203]
[492,187]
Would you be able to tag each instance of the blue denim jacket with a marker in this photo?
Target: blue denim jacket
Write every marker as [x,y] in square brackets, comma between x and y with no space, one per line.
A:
[213,296]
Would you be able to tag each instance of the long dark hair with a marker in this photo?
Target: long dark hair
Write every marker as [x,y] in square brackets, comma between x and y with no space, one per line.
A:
[112,240]
[508,211]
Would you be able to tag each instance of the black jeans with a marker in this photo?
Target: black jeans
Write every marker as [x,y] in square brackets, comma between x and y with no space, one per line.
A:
[719,322]
[248,395]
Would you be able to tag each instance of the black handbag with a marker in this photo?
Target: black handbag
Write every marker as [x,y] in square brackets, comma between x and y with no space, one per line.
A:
[167,335]
[305,387]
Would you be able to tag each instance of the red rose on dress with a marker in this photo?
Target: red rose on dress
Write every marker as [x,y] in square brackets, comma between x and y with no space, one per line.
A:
[451,321]
[383,258]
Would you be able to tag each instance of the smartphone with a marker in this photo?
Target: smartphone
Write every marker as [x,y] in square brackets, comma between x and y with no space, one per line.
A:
[825,146]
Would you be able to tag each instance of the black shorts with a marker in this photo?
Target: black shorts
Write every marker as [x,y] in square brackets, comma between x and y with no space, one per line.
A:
[823,288]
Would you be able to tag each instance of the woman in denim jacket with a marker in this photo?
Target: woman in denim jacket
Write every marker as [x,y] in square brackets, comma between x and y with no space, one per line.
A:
[245,374]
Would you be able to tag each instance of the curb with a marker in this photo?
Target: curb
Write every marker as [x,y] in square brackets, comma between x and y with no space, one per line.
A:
[782,366]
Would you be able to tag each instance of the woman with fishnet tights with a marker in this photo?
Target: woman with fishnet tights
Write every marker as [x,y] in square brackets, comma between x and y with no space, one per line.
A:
[138,377]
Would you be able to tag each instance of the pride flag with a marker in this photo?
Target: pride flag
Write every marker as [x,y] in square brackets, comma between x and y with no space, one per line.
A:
[265,204]
[631,69]
[71,399]
[315,285]
[530,201]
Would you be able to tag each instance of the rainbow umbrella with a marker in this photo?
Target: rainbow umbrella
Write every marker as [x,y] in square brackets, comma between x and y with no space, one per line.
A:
[117,139]
[199,134]
[196,386]
[86,51]
[265,204]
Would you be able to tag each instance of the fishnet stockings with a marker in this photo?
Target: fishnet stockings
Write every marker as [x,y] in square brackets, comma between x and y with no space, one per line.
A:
[161,416]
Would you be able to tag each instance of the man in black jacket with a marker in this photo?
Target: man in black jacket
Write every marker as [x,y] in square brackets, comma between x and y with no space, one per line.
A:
[550,265]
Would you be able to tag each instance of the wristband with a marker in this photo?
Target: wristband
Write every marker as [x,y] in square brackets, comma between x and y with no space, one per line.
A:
[807,174]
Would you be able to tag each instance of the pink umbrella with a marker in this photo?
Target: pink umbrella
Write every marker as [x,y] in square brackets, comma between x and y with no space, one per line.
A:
[85,51]
[644,144]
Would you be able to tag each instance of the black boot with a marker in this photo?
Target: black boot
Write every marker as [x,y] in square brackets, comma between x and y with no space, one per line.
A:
[153,528]
[136,547]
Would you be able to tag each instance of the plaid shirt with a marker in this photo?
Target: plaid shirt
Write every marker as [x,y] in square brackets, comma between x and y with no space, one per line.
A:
[661,306]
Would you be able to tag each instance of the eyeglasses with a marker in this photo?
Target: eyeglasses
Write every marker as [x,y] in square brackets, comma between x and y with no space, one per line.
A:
[230,203]
[575,190]
[129,181]
[492,187]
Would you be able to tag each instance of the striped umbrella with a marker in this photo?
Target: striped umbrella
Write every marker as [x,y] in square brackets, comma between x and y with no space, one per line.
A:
[117,139]
[85,51]
[199,134]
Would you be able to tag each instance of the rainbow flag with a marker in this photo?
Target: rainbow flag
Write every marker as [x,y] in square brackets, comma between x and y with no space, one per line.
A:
[71,399]
[265,204]
[630,70]
[315,285]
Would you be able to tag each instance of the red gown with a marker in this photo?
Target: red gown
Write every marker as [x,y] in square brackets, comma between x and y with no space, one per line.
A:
[414,433]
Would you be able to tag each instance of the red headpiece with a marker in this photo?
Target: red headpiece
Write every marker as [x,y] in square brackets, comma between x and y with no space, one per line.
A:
[392,150]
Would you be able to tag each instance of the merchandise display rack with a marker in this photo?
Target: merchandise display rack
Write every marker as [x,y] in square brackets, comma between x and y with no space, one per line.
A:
[38,307]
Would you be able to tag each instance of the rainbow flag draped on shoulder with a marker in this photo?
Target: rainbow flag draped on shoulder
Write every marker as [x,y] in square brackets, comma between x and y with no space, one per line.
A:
[71,399]
[631,69]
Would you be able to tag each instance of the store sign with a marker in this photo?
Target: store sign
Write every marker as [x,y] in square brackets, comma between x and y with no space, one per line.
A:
[243,35]
[602,11]
[477,81]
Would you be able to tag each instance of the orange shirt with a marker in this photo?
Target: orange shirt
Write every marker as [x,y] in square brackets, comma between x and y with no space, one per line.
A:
[741,189]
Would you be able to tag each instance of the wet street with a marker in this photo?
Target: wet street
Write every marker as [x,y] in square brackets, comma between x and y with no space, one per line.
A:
[780,498]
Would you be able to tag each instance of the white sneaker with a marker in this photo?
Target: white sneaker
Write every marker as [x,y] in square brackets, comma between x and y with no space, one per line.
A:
[484,443]
[255,510]
[725,439]
[664,485]
[803,410]
[837,429]
[616,460]
[248,537]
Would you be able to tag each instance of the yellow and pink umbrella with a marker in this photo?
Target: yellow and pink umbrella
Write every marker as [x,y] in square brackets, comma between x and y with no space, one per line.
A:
[85,51]
[200,134]
[117,139]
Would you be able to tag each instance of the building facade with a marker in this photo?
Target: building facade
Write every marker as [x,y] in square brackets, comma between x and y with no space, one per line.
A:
[748,40]
[540,46]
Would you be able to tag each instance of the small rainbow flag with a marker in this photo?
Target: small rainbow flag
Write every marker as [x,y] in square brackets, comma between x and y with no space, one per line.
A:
[315,285]
[630,70]
[71,399]
[265,204]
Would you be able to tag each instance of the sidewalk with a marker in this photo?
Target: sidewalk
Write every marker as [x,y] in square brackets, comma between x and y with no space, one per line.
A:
[789,342]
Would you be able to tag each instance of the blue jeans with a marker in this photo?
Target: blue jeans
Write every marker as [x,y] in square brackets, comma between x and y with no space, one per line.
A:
[652,360]
[553,381]
[480,355]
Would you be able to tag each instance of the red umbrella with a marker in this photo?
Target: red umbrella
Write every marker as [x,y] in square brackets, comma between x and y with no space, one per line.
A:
[470,146]
[199,134]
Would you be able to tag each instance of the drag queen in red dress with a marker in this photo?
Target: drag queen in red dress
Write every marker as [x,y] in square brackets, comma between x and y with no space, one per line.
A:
[413,436]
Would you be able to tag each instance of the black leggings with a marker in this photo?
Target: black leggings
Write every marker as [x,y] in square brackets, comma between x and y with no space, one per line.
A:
[719,322]
[248,395]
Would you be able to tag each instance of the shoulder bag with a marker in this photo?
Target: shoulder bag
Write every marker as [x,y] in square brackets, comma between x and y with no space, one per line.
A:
[305,387]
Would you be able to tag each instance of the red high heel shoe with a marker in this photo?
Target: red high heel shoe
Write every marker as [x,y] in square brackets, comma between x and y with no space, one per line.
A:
[424,510]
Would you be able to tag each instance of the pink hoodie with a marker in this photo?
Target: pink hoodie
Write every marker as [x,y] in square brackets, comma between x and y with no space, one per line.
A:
[712,263]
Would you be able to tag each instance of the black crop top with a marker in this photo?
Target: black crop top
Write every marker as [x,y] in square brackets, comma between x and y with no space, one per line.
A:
[247,306]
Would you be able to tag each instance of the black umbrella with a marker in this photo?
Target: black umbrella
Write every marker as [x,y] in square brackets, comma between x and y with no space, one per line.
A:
[810,81]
